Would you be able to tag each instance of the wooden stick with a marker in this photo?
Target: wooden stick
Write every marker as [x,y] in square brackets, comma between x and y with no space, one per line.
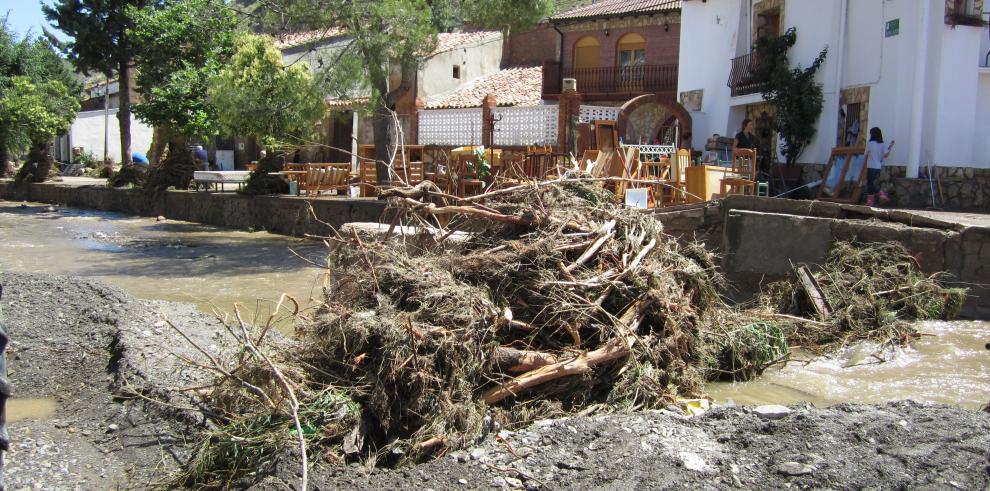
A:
[465,210]
[516,360]
[581,364]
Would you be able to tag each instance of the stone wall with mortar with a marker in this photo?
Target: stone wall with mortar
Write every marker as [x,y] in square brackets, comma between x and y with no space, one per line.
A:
[963,188]
[287,215]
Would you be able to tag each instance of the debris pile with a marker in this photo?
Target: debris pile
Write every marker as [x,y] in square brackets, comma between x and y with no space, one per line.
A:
[557,301]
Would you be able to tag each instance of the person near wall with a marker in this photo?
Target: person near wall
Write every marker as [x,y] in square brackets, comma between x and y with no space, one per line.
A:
[202,158]
[745,138]
[875,155]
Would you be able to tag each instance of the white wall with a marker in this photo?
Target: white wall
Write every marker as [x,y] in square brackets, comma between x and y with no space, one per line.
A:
[88,132]
[708,43]
[947,106]
[981,144]
[476,60]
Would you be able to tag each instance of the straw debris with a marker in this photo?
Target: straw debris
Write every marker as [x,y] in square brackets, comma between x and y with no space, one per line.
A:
[558,302]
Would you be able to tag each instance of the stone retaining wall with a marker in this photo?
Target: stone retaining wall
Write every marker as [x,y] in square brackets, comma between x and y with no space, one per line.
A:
[962,188]
[287,215]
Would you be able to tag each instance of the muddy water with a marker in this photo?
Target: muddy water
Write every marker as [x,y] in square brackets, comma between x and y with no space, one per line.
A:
[167,260]
[951,365]
[216,267]
[20,409]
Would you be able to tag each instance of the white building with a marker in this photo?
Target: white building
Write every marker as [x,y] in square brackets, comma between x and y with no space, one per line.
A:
[915,68]
[96,128]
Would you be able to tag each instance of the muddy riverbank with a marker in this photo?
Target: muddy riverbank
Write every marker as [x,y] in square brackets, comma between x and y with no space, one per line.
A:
[83,345]
[79,352]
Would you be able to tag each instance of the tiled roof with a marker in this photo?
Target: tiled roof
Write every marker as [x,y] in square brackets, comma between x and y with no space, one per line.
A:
[447,41]
[511,87]
[292,39]
[611,8]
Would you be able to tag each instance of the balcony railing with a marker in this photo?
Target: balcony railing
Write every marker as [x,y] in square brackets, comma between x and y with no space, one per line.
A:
[612,80]
[743,78]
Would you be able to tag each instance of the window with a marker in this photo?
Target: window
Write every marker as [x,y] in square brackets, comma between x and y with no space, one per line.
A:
[632,58]
[587,53]
[632,50]
[457,72]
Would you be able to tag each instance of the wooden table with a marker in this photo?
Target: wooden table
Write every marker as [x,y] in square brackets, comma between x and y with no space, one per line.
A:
[704,181]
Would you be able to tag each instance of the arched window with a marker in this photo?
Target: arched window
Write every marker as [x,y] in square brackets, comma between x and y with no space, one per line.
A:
[587,53]
[632,50]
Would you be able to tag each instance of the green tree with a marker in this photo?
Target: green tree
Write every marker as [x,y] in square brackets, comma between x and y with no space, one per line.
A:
[256,95]
[795,96]
[36,113]
[180,47]
[387,39]
[38,101]
[100,43]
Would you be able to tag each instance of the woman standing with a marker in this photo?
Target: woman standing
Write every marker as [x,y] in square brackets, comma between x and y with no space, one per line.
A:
[745,138]
[875,155]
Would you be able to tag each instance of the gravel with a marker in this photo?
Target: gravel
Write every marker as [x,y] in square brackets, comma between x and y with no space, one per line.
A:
[86,344]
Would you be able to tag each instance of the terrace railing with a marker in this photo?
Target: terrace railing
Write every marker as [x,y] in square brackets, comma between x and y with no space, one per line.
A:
[743,78]
[612,80]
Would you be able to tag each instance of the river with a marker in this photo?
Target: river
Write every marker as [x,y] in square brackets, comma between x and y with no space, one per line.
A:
[214,268]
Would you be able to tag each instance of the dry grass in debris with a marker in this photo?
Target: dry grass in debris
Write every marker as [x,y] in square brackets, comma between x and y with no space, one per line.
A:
[558,302]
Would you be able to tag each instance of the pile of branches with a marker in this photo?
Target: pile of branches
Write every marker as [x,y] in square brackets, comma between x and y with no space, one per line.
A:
[874,291]
[550,299]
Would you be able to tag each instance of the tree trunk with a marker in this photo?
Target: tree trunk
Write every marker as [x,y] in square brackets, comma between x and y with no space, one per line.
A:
[159,140]
[124,113]
[6,166]
[176,170]
[39,163]
[384,136]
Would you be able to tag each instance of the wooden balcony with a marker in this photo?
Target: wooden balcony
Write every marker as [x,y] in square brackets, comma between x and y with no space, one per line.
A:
[611,81]
[743,78]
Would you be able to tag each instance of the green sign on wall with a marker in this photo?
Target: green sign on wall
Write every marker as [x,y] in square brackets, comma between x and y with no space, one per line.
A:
[893,28]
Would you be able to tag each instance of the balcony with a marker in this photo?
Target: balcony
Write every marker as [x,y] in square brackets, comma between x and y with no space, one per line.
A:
[743,78]
[608,82]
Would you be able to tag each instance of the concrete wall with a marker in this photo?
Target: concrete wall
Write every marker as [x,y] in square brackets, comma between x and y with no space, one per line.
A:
[87,131]
[926,88]
[476,59]
[278,214]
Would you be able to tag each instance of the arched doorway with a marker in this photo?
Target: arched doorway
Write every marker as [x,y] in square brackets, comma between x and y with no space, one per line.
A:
[642,118]
[587,53]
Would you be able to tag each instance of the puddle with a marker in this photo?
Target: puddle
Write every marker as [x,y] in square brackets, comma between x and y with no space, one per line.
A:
[952,366]
[37,409]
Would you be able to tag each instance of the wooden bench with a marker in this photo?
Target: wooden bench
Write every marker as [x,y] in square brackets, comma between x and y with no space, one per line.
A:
[322,177]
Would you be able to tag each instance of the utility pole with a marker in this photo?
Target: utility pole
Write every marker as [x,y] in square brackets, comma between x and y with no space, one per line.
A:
[106,119]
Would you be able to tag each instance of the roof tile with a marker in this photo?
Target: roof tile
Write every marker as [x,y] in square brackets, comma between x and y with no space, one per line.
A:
[511,87]
[607,8]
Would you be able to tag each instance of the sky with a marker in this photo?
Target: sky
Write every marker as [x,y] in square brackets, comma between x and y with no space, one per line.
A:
[26,15]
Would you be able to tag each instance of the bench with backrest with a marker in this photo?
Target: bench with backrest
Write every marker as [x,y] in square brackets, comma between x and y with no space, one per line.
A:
[322,177]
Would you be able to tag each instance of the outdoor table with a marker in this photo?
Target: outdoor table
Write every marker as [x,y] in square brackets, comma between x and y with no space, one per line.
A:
[219,178]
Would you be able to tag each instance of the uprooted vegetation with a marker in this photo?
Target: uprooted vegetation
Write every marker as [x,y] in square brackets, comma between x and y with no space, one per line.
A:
[557,302]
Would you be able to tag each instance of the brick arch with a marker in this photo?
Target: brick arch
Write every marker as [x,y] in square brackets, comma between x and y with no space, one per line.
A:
[681,114]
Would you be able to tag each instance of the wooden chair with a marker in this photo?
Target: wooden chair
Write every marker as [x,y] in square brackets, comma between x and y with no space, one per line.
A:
[465,173]
[627,165]
[742,179]
[368,178]
[412,174]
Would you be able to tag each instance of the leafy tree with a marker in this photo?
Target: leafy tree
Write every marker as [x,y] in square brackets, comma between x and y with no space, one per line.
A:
[256,95]
[180,46]
[795,96]
[387,39]
[100,43]
[35,114]
[38,100]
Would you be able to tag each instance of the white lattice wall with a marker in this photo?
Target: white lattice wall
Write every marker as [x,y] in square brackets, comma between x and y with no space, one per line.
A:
[531,125]
[591,113]
[450,127]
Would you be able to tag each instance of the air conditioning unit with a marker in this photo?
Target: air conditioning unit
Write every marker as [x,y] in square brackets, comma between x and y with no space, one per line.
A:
[570,84]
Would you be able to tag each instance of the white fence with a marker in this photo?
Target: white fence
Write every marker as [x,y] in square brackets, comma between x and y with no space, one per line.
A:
[591,113]
[532,125]
[454,127]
